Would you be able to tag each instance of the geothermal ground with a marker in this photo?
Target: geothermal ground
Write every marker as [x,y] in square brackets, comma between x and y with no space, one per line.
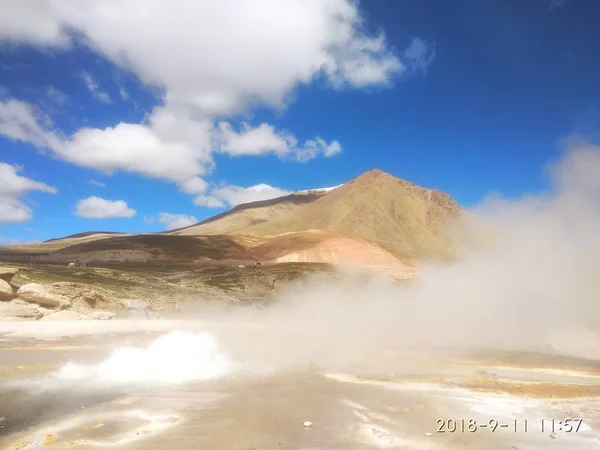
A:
[217,384]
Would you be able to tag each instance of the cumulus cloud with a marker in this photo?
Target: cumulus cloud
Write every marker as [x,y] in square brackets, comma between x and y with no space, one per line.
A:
[174,221]
[12,187]
[295,40]
[21,121]
[100,208]
[170,147]
[232,55]
[32,22]
[265,139]
[151,150]
[93,87]
[419,55]
[231,195]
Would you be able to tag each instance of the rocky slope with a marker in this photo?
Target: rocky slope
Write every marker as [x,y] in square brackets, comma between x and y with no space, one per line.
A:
[142,290]
[397,215]
[379,208]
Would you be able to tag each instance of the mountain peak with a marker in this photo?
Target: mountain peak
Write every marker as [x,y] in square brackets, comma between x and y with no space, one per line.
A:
[375,173]
[375,176]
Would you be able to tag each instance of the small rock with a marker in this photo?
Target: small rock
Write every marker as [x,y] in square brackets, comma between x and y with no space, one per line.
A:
[93,297]
[7,273]
[42,295]
[6,291]
[307,424]
[15,310]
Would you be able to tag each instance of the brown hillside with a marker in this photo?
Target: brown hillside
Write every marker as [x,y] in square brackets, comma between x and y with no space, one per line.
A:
[159,246]
[246,215]
[378,207]
[317,246]
[57,244]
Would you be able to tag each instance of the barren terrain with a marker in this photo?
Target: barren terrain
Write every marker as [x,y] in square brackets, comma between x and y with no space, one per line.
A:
[337,319]
[383,399]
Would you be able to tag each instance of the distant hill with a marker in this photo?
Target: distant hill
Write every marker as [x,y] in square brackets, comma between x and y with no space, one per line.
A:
[375,220]
[84,234]
[402,217]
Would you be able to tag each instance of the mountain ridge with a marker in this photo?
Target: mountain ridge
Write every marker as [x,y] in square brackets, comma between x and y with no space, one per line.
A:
[375,218]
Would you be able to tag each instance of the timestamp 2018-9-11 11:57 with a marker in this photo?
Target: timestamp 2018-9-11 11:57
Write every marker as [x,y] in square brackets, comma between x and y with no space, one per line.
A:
[567,425]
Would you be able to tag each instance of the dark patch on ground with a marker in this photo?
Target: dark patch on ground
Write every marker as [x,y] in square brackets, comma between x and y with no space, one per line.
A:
[23,409]
[173,246]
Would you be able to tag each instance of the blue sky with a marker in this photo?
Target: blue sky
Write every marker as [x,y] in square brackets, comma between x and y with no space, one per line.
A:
[111,119]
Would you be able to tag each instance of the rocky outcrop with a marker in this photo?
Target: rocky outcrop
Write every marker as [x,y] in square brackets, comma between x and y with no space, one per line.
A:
[92,297]
[44,295]
[7,273]
[6,290]
[18,310]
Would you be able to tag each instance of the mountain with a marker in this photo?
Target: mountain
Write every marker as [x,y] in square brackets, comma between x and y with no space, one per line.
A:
[375,220]
[401,217]
[248,214]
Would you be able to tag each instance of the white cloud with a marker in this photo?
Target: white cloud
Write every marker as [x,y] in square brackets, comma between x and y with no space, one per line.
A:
[32,22]
[100,208]
[266,139]
[57,95]
[170,147]
[23,122]
[212,59]
[316,147]
[148,219]
[12,187]
[194,185]
[97,183]
[209,201]
[94,88]
[229,52]
[419,55]
[13,210]
[231,195]
[362,61]
[174,221]
[124,94]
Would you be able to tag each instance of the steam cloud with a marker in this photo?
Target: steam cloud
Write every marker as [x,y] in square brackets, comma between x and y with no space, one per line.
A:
[528,278]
